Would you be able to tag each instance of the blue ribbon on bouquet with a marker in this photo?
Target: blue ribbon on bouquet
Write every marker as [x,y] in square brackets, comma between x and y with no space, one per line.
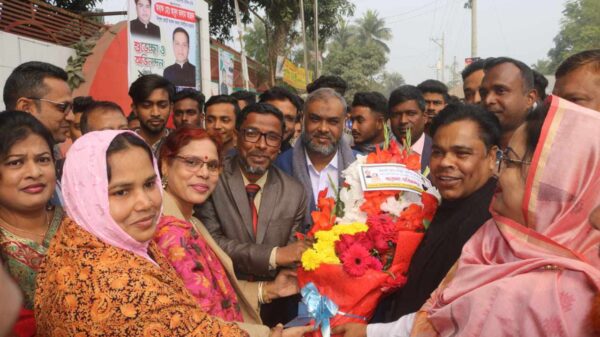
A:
[319,308]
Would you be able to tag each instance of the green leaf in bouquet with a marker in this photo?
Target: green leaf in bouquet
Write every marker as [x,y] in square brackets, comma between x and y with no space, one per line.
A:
[426,223]
[408,141]
[386,137]
[338,210]
[426,171]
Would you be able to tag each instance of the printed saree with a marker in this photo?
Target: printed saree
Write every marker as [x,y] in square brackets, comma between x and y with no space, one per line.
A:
[89,288]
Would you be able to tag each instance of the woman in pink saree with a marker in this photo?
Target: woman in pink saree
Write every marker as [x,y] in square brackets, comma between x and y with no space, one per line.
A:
[534,268]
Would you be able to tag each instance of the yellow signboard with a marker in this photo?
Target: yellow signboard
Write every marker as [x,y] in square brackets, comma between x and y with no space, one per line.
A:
[295,76]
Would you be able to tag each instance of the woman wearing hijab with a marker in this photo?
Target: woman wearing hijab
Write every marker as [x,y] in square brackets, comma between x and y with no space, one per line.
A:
[533,269]
[190,166]
[103,274]
[27,223]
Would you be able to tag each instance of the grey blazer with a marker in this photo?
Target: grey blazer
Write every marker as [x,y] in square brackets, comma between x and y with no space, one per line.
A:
[227,216]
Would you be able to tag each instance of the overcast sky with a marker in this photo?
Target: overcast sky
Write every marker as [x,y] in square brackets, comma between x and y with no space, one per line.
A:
[523,29]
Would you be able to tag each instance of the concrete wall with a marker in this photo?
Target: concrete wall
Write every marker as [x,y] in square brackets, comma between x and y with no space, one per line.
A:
[15,49]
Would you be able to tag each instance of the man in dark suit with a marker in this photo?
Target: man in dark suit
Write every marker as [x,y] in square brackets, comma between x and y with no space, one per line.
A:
[256,209]
[142,25]
[407,112]
[182,73]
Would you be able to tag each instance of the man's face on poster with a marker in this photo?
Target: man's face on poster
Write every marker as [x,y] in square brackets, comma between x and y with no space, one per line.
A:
[181,47]
[143,9]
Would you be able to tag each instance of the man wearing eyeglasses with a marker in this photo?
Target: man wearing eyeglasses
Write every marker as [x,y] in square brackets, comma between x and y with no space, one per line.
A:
[256,209]
[41,89]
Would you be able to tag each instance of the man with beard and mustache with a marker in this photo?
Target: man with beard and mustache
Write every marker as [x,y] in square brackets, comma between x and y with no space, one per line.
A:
[321,155]
[436,97]
[507,90]
[256,209]
[152,97]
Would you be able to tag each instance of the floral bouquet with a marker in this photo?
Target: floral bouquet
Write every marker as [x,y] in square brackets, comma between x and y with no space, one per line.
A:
[365,237]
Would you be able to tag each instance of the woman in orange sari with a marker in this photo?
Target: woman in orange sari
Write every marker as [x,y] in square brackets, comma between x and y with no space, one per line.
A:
[103,275]
[534,268]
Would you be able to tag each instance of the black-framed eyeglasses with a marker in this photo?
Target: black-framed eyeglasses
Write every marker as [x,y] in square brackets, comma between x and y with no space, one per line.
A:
[64,107]
[194,163]
[253,136]
[502,156]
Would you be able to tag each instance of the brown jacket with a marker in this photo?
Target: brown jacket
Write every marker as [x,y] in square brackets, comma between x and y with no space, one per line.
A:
[227,216]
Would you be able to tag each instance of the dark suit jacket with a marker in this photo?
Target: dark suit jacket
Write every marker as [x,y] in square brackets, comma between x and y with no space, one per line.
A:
[426,155]
[181,76]
[138,28]
[227,216]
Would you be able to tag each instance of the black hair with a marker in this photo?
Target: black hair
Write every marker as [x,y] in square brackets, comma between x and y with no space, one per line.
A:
[334,82]
[540,83]
[533,127]
[143,87]
[223,99]
[263,109]
[473,67]
[372,100]
[406,93]
[149,1]
[102,105]
[576,61]
[27,80]
[434,86]
[81,103]
[490,130]
[526,72]
[181,30]
[246,96]
[282,94]
[124,141]
[192,94]
[16,126]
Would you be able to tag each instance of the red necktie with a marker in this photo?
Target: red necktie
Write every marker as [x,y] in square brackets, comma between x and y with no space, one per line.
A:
[251,190]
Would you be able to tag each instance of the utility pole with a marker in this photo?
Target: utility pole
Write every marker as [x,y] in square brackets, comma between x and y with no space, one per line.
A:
[241,37]
[316,38]
[472,5]
[304,41]
[441,44]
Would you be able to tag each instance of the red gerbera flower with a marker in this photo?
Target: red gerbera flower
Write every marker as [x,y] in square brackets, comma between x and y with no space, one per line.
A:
[357,260]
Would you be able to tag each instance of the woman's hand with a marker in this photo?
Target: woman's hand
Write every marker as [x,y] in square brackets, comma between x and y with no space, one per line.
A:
[285,284]
[279,331]
[351,330]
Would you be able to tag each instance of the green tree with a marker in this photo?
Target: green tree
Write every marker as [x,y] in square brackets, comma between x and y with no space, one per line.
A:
[391,81]
[580,30]
[371,28]
[282,17]
[75,5]
[255,41]
[360,67]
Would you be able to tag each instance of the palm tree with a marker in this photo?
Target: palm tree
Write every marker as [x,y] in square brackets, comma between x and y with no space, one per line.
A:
[344,35]
[371,28]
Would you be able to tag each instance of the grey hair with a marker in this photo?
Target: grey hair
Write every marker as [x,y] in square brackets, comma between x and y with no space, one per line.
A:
[324,94]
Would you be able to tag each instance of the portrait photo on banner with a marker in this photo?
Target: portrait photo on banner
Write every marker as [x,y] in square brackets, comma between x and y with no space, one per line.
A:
[163,40]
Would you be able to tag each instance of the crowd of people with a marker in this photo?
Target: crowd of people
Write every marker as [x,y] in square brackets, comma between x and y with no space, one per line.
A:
[143,230]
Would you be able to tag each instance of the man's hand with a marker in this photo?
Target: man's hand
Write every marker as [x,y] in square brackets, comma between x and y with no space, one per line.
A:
[291,253]
[284,285]
[350,330]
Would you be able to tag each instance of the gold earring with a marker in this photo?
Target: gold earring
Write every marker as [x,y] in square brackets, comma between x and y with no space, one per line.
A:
[165,182]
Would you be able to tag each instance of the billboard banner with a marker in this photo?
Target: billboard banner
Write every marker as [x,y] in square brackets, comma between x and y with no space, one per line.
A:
[225,72]
[163,40]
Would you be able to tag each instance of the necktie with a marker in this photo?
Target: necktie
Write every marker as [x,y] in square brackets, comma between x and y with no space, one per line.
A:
[251,190]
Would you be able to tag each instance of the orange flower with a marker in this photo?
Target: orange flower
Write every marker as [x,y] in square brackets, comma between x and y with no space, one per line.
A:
[128,310]
[176,253]
[324,218]
[373,201]
[413,162]
[430,204]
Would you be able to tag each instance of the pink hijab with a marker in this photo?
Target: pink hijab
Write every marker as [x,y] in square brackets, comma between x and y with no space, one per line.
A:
[539,280]
[85,191]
